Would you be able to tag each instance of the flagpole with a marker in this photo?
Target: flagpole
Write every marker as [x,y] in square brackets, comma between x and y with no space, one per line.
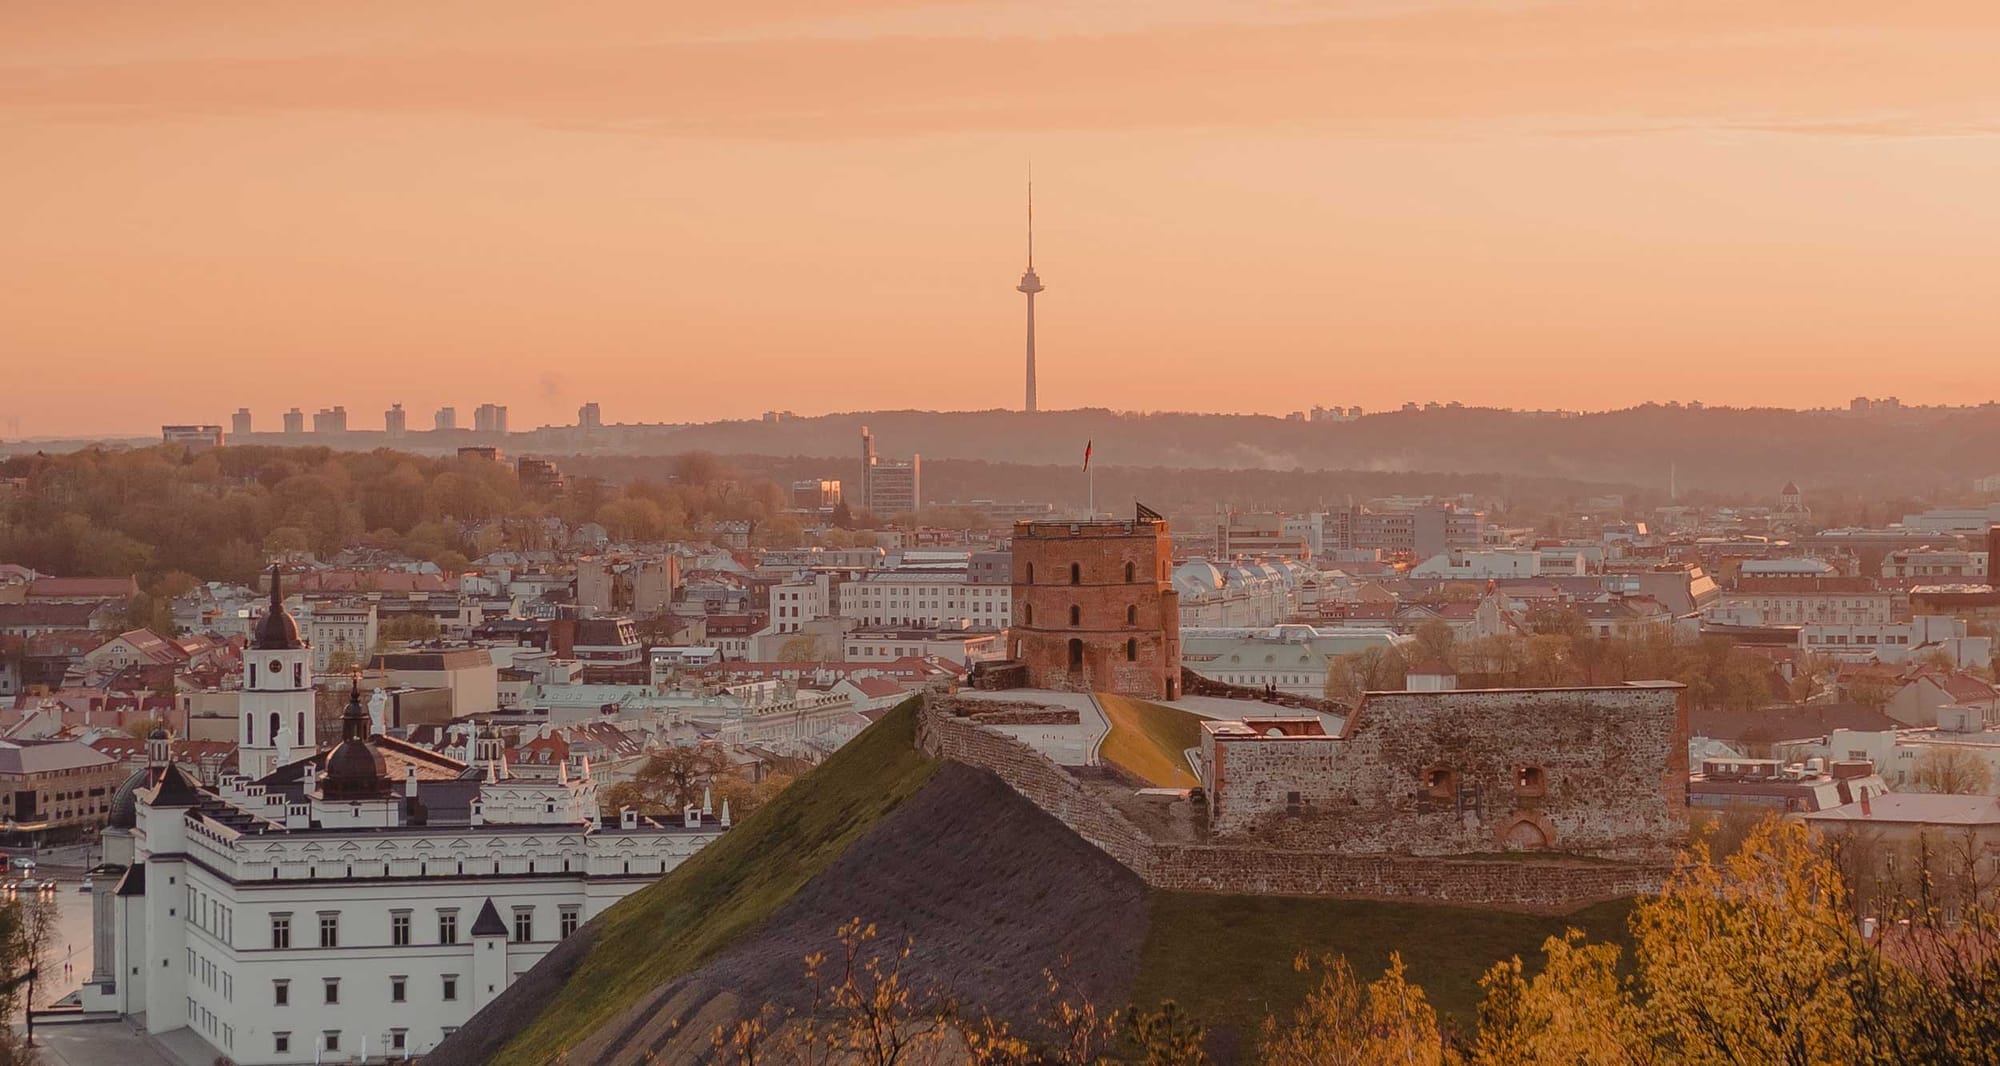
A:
[1090,477]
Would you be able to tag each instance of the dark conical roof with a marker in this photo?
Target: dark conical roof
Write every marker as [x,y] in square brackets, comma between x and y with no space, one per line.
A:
[354,769]
[488,923]
[277,630]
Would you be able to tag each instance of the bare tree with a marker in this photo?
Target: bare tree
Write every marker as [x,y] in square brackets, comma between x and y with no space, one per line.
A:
[1952,770]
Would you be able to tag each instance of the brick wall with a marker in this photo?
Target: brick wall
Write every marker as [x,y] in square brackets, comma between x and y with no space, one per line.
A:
[1555,884]
[1094,610]
[1587,771]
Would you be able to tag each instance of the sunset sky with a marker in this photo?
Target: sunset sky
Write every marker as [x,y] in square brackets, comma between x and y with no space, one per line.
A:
[690,211]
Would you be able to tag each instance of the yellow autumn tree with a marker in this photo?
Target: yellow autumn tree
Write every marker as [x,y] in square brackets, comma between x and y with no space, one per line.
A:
[1576,1012]
[1345,1023]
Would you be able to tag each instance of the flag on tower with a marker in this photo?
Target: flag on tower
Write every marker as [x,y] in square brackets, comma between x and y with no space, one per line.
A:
[1086,452]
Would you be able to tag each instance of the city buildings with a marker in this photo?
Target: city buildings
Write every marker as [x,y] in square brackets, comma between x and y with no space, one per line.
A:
[889,487]
[489,418]
[239,423]
[330,420]
[56,785]
[394,421]
[195,438]
[445,419]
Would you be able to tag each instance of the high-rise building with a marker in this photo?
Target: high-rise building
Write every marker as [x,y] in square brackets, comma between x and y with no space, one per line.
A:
[295,423]
[446,418]
[330,420]
[393,420]
[239,423]
[489,418]
[589,417]
[888,486]
[1031,285]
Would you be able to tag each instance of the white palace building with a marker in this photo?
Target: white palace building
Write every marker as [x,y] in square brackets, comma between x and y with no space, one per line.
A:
[358,903]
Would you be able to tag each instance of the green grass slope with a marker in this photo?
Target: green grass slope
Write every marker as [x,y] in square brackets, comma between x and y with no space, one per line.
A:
[1150,741]
[728,888]
[1228,959]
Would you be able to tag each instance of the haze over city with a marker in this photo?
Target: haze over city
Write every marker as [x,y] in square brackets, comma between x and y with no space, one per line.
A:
[1245,207]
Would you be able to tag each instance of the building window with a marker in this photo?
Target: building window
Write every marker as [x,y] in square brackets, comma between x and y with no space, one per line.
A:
[1131,649]
[281,993]
[1529,781]
[447,927]
[524,924]
[332,990]
[450,988]
[398,1039]
[1075,615]
[298,675]
[281,931]
[1027,614]
[1076,573]
[1440,783]
[1075,654]
[399,928]
[397,989]
[570,919]
[1132,615]
[281,1043]
[1131,573]
[329,929]
[1030,574]
[332,1039]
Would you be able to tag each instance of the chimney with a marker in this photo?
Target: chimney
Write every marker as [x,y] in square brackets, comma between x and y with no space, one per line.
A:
[1866,812]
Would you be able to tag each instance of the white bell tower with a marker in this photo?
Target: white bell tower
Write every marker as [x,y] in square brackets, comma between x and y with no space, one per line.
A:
[277,692]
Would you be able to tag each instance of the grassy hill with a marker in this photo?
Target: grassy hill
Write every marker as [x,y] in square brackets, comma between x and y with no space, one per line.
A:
[989,890]
[726,889]
[1150,741]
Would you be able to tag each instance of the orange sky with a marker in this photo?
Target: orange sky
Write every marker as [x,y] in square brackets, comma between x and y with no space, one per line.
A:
[698,211]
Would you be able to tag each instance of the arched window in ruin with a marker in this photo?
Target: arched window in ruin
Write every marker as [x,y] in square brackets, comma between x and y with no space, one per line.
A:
[1131,649]
[1075,654]
[1440,783]
[1132,615]
[1131,572]
[1530,781]
[1075,615]
[1076,573]
[1525,835]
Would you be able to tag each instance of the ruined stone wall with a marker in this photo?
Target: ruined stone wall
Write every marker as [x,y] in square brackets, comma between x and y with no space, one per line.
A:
[1597,771]
[1261,867]
[1102,587]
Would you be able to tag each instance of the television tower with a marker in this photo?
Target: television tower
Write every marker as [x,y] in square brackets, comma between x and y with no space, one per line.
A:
[1031,285]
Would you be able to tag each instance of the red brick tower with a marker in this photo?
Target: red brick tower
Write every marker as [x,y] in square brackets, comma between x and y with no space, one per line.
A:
[1094,609]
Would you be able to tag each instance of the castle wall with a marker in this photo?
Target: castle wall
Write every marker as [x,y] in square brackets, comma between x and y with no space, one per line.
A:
[1272,865]
[1599,771]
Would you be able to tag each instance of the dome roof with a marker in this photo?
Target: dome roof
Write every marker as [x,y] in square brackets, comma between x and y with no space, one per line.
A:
[1197,576]
[354,769]
[277,630]
[125,801]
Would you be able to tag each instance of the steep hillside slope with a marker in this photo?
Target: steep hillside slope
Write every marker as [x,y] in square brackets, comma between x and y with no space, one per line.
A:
[674,925]
[990,891]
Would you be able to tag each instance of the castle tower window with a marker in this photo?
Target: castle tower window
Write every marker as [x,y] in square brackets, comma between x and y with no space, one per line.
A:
[1027,614]
[1131,649]
[1075,654]
[1530,781]
[1131,572]
[1132,615]
[1076,573]
[1031,574]
[1441,783]
[1075,615]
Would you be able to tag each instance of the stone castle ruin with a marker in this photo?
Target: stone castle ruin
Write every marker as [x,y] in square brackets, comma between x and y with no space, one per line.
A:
[1539,799]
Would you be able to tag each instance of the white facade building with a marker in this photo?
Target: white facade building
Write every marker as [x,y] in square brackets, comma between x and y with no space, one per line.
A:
[1486,565]
[1292,657]
[364,901]
[927,598]
[1896,642]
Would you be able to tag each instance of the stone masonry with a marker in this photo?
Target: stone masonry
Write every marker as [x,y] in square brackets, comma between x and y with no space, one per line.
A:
[1094,609]
[1256,865]
[1589,771]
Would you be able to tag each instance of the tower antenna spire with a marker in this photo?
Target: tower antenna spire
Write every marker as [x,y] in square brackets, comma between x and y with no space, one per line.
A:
[1030,285]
